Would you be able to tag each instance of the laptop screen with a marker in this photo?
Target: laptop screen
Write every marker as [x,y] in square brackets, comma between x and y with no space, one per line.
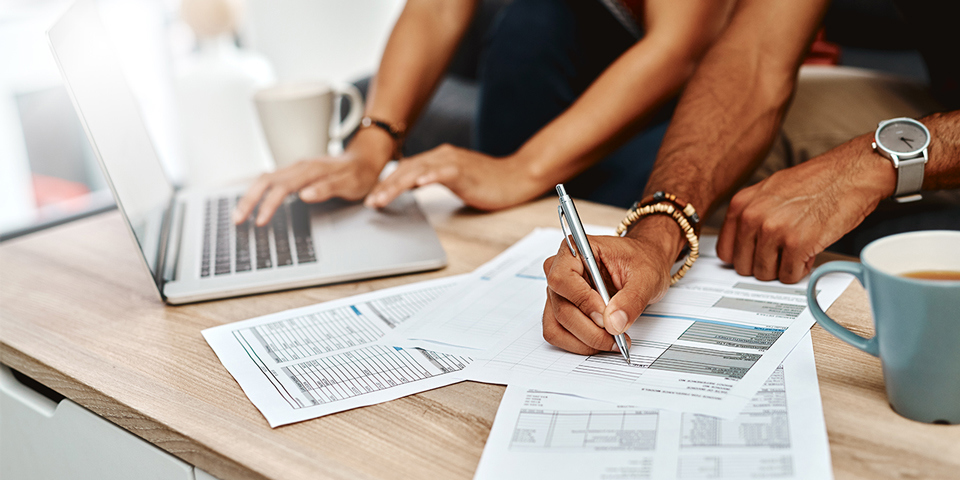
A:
[112,119]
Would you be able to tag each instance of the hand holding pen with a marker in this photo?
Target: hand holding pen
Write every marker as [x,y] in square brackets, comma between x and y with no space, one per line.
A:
[569,217]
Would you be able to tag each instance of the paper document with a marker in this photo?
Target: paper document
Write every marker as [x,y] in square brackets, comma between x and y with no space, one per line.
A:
[326,358]
[780,434]
[487,305]
[706,347]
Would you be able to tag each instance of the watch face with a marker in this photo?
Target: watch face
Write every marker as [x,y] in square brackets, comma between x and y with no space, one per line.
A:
[900,136]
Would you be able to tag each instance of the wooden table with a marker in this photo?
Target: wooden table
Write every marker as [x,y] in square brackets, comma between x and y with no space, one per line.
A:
[78,314]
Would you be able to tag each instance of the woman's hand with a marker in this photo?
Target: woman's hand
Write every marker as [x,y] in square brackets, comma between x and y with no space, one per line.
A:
[481,181]
[349,176]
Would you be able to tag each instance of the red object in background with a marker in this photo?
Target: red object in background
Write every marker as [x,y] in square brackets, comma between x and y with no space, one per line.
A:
[50,190]
[822,52]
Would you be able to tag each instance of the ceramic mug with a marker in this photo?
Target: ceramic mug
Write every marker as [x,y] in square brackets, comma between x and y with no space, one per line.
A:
[917,321]
[297,119]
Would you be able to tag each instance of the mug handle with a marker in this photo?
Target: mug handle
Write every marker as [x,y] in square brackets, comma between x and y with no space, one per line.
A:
[341,130]
[868,345]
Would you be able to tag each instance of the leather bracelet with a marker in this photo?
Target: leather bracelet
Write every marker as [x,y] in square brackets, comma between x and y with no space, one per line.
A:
[396,132]
[679,215]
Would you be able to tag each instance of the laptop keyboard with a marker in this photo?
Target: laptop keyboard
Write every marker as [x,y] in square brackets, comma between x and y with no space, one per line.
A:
[287,240]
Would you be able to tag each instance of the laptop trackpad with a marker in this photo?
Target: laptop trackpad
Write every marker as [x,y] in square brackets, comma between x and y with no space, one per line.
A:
[349,236]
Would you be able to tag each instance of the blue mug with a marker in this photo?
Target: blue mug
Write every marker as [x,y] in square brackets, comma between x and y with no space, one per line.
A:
[917,321]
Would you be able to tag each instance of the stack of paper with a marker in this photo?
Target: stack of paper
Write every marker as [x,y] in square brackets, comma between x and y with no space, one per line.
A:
[327,358]
[709,396]
[779,434]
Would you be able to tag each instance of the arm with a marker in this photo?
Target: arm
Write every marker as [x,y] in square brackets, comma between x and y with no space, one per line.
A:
[727,118]
[609,113]
[775,229]
[417,53]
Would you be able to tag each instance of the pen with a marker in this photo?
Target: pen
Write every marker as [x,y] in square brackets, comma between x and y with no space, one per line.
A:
[566,210]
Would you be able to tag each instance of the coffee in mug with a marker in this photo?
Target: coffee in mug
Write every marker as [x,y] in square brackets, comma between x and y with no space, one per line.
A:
[933,275]
[916,320]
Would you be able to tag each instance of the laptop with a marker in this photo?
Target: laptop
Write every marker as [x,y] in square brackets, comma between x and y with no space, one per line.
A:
[186,238]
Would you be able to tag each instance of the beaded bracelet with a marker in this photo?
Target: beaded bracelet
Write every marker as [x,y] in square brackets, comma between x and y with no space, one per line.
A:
[685,216]
[685,207]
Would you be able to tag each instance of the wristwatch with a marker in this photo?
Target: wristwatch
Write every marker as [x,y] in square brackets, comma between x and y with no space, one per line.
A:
[904,141]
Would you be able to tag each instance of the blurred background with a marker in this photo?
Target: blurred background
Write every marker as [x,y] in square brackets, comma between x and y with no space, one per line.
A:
[194,64]
[48,172]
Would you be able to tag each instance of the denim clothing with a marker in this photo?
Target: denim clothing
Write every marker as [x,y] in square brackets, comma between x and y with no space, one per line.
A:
[538,58]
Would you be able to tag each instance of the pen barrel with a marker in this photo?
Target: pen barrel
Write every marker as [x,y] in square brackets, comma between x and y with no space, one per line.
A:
[583,244]
[597,279]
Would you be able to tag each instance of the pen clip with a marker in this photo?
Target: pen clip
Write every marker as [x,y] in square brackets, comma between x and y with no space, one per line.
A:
[564,227]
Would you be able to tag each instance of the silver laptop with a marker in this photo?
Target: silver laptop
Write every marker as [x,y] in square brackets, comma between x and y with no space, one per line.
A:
[189,245]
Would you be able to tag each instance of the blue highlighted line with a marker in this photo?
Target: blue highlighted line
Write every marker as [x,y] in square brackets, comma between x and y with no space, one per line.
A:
[355,310]
[715,322]
[533,277]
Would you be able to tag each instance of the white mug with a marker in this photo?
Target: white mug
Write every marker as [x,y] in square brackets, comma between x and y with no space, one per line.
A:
[297,119]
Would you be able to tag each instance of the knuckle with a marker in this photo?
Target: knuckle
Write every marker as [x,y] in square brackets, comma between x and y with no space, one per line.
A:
[550,334]
[554,277]
[738,202]
[770,227]
[751,217]
[547,264]
[598,339]
[446,148]
[580,299]
[791,243]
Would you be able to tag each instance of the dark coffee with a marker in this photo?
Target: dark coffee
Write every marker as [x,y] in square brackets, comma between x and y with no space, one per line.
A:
[934,275]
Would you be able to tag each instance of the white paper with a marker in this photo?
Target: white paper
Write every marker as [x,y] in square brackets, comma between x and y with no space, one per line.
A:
[780,434]
[483,308]
[326,358]
[706,347]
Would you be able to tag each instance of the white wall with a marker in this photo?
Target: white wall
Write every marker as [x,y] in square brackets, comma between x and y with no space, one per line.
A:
[336,40]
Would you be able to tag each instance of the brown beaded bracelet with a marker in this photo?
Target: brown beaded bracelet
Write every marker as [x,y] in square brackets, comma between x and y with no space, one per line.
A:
[679,215]
[685,207]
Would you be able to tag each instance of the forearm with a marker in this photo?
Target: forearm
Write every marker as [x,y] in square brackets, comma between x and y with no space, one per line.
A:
[732,108]
[942,171]
[621,100]
[609,112]
[417,53]
[873,175]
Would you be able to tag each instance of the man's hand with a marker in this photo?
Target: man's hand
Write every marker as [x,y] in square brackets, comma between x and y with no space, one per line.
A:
[775,229]
[481,181]
[636,269]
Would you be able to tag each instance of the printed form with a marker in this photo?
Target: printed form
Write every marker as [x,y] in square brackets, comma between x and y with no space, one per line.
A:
[706,347]
[326,358]
[779,434]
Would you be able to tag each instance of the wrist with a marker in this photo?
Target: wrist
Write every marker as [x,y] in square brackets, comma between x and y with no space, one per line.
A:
[371,147]
[526,171]
[876,176]
[539,165]
[661,233]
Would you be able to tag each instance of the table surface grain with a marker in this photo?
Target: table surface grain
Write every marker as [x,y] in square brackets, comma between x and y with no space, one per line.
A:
[79,314]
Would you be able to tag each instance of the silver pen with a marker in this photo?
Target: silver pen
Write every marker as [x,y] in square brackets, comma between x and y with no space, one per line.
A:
[567,211]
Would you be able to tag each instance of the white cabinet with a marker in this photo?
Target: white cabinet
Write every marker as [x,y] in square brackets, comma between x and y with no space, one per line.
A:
[42,439]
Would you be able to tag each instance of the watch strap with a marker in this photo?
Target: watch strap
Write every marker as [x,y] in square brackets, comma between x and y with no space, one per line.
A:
[909,179]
